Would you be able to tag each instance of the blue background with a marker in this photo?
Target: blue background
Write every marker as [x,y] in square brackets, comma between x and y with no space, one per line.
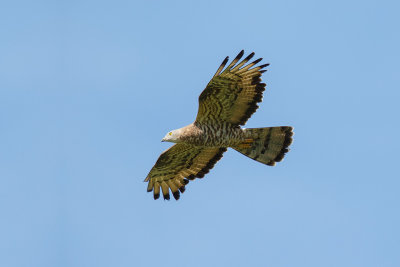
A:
[89,88]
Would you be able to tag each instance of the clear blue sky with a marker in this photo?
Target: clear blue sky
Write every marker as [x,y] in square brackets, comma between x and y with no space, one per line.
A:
[89,88]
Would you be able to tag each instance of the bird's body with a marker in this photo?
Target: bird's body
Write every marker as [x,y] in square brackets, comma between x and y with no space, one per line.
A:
[228,101]
[221,135]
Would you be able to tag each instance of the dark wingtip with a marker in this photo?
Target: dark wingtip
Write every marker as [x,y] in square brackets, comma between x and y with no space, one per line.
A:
[225,61]
[176,195]
[249,56]
[166,196]
[239,56]
[156,196]
[256,61]
[182,188]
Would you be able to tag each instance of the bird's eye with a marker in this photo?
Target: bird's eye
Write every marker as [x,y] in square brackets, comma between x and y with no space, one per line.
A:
[170,133]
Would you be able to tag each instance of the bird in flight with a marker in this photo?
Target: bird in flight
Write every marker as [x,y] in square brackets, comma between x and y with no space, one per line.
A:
[227,102]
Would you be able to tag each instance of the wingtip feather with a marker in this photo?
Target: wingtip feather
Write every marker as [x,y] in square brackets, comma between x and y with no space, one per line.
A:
[176,195]
[249,56]
[239,56]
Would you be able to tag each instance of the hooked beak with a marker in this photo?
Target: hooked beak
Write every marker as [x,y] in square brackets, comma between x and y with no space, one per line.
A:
[163,140]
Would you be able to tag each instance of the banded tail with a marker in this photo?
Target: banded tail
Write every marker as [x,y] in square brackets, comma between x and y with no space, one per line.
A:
[266,145]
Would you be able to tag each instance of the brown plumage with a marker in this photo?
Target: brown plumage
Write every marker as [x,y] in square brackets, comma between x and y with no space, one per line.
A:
[227,102]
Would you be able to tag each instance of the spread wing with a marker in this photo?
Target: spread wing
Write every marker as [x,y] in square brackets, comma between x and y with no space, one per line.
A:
[177,163]
[232,95]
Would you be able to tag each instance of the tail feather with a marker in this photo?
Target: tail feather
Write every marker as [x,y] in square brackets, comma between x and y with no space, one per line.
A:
[266,145]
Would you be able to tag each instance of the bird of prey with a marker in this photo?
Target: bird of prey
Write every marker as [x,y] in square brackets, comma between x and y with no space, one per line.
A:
[227,102]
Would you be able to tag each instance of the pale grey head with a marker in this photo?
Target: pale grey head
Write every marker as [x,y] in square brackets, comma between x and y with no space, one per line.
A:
[173,136]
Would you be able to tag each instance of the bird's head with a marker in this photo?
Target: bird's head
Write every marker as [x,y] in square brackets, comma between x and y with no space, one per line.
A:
[173,136]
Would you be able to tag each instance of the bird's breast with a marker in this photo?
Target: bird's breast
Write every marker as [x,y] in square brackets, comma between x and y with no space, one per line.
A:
[216,136]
